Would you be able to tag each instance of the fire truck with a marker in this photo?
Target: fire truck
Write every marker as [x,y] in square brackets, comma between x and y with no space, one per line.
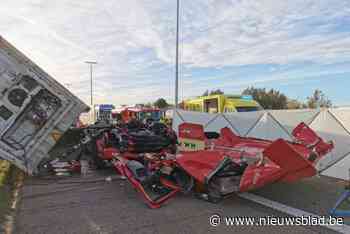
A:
[125,114]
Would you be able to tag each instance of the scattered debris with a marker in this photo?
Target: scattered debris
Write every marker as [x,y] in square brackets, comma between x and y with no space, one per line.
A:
[227,164]
[36,111]
[211,165]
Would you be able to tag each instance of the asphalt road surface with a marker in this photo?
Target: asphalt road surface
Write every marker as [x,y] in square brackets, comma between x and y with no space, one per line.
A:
[93,205]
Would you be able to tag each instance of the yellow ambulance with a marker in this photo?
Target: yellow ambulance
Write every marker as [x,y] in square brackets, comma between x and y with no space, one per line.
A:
[220,103]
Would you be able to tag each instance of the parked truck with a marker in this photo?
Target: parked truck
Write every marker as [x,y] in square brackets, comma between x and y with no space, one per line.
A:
[35,110]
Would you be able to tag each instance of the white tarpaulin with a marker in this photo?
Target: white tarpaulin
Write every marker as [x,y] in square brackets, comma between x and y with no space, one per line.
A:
[330,124]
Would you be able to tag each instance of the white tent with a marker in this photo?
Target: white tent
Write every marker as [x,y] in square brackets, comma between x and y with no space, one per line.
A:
[330,124]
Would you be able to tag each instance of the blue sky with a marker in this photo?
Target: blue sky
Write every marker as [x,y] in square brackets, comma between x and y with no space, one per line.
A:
[292,45]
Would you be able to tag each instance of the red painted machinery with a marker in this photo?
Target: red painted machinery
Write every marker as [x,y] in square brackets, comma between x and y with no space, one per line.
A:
[128,114]
[212,165]
[226,164]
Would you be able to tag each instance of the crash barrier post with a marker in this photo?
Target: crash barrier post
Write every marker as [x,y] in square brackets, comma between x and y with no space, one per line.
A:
[342,198]
[341,213]
[331,124]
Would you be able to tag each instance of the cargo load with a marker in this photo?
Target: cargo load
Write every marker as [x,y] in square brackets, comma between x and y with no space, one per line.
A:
[35,110]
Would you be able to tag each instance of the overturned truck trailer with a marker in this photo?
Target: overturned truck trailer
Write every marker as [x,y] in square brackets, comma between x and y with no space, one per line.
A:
[35,110]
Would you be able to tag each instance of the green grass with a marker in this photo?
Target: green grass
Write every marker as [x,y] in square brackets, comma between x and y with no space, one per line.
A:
[6,191]
[4,171]
[5,195]
[5,198]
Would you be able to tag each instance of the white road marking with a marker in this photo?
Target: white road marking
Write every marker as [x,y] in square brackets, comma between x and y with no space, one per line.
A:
[290,210]
[93,225]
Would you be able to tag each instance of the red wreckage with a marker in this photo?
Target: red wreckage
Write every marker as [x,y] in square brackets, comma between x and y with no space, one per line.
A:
[209,164]
[36,112]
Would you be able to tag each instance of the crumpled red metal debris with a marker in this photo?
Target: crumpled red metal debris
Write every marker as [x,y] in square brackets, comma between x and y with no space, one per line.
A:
[228,164]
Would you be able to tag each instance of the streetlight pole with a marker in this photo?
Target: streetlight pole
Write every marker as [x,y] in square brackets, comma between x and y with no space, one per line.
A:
[91,63]
[177,56]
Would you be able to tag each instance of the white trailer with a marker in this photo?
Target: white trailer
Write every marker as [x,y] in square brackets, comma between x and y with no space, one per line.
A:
[35,110]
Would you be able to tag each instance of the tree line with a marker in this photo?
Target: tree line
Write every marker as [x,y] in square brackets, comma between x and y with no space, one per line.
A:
[275,100]
[271,99]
